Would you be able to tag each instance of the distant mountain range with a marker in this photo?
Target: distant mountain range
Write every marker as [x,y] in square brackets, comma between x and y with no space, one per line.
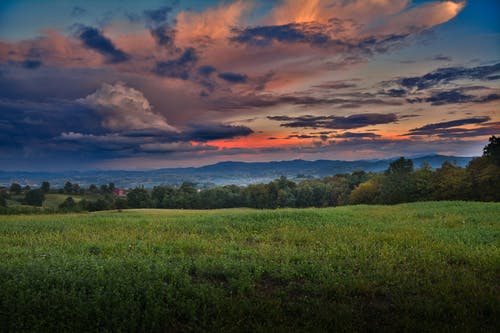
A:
[223,173]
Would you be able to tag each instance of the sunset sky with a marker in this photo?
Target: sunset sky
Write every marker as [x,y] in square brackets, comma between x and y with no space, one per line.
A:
[150,84]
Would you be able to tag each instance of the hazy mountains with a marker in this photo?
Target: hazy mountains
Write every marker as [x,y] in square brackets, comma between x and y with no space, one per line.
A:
[223,173]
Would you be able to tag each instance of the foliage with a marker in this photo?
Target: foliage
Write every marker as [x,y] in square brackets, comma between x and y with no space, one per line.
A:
[492,150]
[34,197]
[15,188]
[138,198]
[45,187]
[68,204]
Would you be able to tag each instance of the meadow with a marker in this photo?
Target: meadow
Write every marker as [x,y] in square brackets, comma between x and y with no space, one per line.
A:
[412,267]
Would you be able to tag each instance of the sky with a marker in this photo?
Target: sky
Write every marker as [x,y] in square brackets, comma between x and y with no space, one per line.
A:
[125,84]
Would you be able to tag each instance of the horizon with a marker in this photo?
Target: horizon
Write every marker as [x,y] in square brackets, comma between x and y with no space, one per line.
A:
[420,156]
[128,86]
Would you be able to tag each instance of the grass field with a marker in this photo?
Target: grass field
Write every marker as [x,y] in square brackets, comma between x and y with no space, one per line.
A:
[412,267]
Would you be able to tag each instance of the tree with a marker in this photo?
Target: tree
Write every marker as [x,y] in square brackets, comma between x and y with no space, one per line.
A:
[121,204]
[3,202]
[68,204]
[138,198]
[367,192]
[68,188]
[45,187]
[398,184]
[15,188]
[93,188]
[75,188]
[484,179]
[424,183]
[34,197]
[492,150]
[451,183]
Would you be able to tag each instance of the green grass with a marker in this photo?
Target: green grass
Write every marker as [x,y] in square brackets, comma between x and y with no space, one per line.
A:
[412,267]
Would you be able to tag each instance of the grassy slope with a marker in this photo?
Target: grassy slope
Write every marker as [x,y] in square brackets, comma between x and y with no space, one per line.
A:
[413,266]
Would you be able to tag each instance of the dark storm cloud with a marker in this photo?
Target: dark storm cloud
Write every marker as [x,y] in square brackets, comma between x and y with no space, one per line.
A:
[447,75]
[335,122]
[207,132]
[26,122]
[95,40]
[233,77]
[179,67]
[60,128]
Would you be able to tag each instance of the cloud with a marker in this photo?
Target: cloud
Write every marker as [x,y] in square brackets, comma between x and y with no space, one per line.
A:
[206,70]
[447,75]
[208,132]
[420,17]
[268,100]
[178,68]
[95,40]
[335,122]
[456,96]
[175,147]
[353,135]
[335,85]
[436,128]
[124,108]
[233,77]
[78,11]
[31,64]
[309,33]
[159,15]
[440,57]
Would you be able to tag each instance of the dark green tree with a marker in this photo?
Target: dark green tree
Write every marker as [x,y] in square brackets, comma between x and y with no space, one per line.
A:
[121,204]
[139,198]
[68,204]
[45,187]
[93,188]
[492,150]
[34,197]
[398,183]
[68,187]
[15,188]
[451,182]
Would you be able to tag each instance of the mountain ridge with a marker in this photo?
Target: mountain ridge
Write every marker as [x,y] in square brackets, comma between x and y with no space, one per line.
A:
[221,173]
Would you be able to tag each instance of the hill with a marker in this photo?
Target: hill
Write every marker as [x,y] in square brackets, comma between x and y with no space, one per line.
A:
[223,173]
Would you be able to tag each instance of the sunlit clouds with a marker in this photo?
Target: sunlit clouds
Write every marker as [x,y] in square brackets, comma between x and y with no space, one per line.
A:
[188,84]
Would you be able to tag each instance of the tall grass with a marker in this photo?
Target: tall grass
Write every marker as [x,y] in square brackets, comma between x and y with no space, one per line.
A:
[421,266]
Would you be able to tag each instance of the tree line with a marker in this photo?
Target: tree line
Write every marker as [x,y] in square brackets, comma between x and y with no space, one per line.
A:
[401,182]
